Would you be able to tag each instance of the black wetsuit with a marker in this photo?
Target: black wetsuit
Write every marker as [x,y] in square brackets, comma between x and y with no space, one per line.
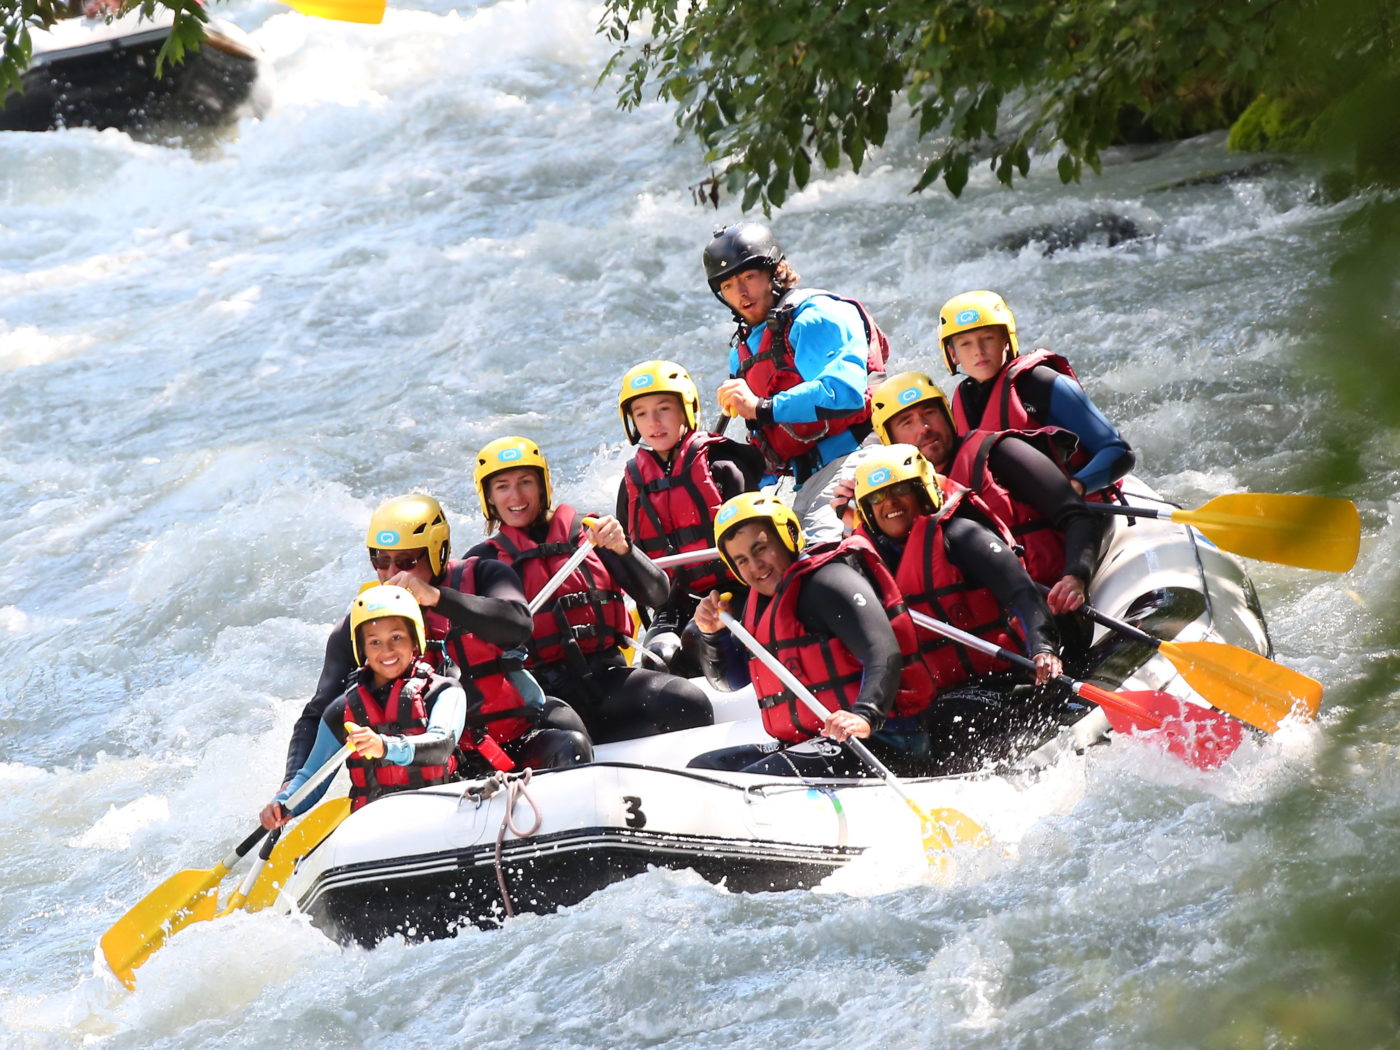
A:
[1033,478]
[498,614]
[988,718]
[836,601]
[617,701]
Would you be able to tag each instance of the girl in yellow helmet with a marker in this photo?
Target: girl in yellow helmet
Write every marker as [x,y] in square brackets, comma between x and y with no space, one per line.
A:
[404,720]
[670,491]
[476,617]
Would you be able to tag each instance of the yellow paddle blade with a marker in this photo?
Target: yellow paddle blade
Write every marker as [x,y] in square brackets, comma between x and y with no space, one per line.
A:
[306,835]
[944,828]
[1251,687]
[370,12]
[1311,532]
[187,896]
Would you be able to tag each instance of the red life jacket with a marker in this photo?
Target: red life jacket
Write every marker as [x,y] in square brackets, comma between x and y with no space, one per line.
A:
[823,663]
[933,585]
[495,708]
[404,713]
[772,369]
[1043,546]
[587,612]
[1006,411]
[672,511]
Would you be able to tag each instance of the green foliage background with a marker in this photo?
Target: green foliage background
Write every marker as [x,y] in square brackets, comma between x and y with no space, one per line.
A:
[775,89]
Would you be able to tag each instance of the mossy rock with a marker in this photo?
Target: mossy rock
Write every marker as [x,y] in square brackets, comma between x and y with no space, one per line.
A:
[1272,124]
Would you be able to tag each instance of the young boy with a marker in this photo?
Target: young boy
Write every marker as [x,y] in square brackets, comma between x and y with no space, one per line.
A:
[404,721]
[671,489]
[1004,390]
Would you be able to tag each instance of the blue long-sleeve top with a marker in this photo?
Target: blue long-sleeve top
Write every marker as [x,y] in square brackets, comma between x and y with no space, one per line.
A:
[1055,400]
[830,349]
[446,720]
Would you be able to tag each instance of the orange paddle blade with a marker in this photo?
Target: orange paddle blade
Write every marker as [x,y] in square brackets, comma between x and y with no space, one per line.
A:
[1245,684]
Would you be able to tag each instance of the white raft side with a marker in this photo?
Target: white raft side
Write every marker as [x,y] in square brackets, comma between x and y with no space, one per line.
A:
[1144,555]
[661,815]
[72,37]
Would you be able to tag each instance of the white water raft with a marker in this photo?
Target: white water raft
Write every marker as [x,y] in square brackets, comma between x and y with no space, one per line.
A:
[425,863]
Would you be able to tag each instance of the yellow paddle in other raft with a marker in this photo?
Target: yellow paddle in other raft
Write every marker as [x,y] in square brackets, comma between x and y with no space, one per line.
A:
[1311,532]
[941,829]
[370,12]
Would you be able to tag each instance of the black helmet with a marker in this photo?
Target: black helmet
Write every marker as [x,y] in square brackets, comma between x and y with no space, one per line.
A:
[739,247]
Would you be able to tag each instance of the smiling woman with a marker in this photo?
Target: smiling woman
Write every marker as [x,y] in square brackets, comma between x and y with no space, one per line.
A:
[577,571]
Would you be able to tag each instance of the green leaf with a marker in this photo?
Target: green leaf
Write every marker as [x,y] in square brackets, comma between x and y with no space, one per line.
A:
[751,192]
[955,177]
[777,189]
[801,168]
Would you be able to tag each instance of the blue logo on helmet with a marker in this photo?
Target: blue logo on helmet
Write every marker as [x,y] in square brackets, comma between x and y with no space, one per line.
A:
[642,380]
[509,455]
[908,395]
[879,477]
[725,514]
[386,538]
[967,316]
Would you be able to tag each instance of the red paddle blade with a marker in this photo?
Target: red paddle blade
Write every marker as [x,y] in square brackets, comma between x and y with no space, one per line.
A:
[1197,735]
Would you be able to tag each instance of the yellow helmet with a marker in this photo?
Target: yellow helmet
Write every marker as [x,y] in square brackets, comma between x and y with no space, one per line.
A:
[899,392]
[757,506]
[657,377]
[410,522]
[509,453]
[962,313]
[888,466]
[378,603]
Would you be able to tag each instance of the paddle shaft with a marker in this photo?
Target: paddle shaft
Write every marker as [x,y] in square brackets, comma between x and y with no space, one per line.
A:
[670,561]
[1121,626]
[241,894]
[1102,697]
[326,771]
[575,560]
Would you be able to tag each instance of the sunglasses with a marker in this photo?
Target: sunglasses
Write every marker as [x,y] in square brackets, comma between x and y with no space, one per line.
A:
[402,562]
[899,488]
